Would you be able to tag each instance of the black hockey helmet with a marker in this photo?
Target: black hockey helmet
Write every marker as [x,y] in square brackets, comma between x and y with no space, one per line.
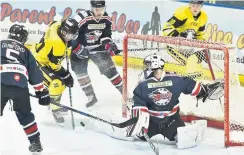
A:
[97,3]
[70,29]
[18,32]
[196,2]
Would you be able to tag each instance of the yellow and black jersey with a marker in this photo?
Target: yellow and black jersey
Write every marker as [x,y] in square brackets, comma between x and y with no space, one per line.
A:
[184,24]
[51,49]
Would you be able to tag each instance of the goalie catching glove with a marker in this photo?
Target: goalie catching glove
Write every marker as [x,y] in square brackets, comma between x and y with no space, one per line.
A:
[211,91]
[142,121]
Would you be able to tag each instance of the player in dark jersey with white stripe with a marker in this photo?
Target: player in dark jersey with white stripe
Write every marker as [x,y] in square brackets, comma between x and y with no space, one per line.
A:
[18,67]
[156,104]
[94,42]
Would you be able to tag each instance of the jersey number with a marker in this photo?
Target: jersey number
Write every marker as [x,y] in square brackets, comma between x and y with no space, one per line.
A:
[11,57]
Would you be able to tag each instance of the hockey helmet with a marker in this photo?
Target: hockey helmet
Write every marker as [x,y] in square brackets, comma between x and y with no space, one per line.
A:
[196,2]
[97,3]
[70,29]
[153,62]
[18,32]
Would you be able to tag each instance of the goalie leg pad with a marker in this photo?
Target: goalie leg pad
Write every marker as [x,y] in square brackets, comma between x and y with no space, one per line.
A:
[188,136]
[202,125]
[142,121]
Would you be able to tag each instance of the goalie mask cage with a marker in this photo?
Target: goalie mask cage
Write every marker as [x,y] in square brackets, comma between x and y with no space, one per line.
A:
[200,60]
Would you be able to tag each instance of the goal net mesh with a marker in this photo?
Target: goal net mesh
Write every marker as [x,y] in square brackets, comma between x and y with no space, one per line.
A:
[203,61]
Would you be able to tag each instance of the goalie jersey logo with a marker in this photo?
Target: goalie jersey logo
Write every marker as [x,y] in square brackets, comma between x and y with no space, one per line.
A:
[161,96]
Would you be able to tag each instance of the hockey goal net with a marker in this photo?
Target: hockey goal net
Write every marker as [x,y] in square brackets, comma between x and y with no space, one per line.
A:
[200,60]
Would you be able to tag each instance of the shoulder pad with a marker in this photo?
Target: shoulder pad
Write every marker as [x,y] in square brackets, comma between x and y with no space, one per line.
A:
[107,17]
[52,23]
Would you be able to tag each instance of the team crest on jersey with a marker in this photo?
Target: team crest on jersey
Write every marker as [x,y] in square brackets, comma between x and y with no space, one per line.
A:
[96,26]
[93,36]
[161,96]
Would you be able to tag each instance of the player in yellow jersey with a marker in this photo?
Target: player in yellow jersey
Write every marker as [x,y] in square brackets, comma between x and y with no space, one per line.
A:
[187,22]
[49,53]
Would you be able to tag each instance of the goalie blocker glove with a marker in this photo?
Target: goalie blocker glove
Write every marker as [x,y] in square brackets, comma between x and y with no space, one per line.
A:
[143,116]
[213,91]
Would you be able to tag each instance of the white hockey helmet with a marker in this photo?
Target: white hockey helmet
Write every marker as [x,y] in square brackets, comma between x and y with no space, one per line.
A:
[153,62]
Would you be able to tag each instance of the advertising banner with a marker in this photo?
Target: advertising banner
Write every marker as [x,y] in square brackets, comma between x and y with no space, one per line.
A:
[224,25]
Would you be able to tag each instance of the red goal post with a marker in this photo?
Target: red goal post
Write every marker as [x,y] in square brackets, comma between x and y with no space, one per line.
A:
[134,51]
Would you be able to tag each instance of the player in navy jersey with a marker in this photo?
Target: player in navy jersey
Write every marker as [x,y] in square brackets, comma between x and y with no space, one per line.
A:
[94,42]
[18,67]
[156,104]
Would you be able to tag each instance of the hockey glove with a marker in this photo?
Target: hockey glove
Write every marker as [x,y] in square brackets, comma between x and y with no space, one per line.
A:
[142,121]
[112,48]
[81,52]
[68,79]
[212,91]
[43,96]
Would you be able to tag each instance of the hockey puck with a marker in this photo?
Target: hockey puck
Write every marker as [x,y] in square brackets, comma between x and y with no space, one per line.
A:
[82,124]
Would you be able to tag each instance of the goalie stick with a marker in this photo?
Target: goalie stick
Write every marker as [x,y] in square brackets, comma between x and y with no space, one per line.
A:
[155,149]
[118,125]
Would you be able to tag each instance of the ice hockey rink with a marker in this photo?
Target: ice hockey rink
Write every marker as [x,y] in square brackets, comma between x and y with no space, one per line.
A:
[93,139]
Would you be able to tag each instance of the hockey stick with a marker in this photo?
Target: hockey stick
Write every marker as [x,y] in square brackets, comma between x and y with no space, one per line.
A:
[119,125]
[155,149]
[70,93]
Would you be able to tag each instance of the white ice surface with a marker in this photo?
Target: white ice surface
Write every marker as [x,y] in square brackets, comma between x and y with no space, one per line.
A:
[91,140]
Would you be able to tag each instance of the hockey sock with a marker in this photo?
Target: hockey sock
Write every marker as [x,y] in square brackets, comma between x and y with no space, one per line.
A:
[85,84]
[116,80]
[55,99]
[28,122]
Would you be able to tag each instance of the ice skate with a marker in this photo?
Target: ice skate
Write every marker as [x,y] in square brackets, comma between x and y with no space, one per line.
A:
[63,111]
[36,147]
[57,115]
[92,99]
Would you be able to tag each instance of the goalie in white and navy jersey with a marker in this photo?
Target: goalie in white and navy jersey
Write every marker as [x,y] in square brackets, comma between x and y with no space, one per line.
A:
[156,104]
[94,42]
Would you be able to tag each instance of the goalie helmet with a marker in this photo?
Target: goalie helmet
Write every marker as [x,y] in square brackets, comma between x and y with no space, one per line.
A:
[153,62]
[18,32]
